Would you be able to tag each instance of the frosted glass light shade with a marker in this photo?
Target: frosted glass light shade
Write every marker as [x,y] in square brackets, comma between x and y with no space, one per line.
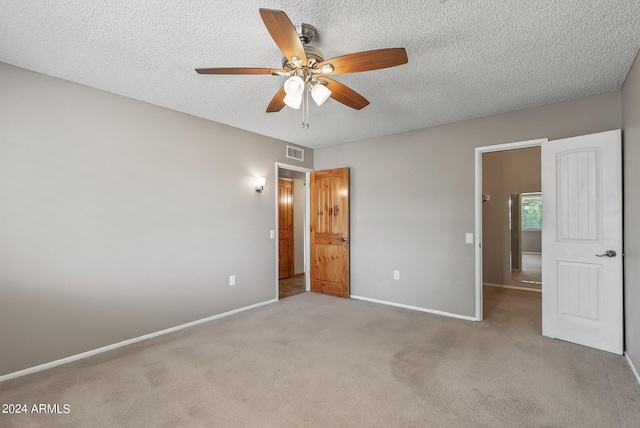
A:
[294,88]
[320,93]
[260,182]
[293,101]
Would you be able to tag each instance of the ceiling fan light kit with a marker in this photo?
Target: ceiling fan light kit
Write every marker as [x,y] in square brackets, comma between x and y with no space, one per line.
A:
[307,69]
[295,88]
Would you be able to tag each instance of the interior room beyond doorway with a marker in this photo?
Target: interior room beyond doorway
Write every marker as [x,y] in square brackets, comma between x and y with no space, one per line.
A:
[530,276]
[525,222]
[291,236]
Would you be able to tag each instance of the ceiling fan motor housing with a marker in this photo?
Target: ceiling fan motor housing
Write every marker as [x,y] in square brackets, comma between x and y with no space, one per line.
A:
[306,33]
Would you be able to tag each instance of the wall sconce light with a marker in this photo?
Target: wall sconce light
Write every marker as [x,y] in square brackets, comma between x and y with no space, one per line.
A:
[260,182]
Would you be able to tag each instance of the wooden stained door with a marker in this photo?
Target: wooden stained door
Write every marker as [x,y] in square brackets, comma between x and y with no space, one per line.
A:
[582,240]
[329,231]
[285,228]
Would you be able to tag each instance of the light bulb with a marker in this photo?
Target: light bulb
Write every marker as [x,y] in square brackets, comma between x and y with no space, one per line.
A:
[327,68]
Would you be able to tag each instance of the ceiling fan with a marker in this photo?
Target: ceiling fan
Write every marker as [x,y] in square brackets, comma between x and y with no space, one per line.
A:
[308,70]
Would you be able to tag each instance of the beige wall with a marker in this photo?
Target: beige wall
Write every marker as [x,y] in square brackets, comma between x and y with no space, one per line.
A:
[531,241]
[119,218]
[412,199]
[503,173]
[631,154]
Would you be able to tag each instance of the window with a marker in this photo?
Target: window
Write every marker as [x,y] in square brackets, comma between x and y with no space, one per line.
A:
[531,211]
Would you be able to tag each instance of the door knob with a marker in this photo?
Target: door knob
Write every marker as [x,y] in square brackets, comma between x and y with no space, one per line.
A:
[608,253]
[343,239]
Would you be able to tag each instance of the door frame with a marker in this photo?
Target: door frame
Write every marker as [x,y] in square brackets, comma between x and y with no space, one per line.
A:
[478,206]
[307,204]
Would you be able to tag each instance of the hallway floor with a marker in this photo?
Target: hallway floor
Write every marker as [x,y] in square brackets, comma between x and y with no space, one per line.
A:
[531,274]
[291,286]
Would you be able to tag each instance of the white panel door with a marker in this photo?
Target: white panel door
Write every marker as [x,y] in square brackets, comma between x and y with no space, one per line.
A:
[582,240]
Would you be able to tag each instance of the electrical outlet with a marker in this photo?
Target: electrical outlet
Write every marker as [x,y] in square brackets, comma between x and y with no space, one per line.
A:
[396,274]
[232,280]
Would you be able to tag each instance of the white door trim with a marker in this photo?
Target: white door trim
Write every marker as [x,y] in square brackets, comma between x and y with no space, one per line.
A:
[478,206]
[307,238]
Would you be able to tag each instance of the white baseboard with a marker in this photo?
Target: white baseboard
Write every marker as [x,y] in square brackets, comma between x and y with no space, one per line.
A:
[126,342]
[511,287]
[414,308]
[633,369]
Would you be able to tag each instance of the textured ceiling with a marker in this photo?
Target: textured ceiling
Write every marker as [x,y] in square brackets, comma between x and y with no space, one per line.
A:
[467,58]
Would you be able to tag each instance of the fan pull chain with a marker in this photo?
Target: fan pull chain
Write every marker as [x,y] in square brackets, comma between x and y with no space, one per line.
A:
[305,107]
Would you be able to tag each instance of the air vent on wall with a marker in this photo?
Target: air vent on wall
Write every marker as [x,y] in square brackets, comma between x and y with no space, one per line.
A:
[295,153]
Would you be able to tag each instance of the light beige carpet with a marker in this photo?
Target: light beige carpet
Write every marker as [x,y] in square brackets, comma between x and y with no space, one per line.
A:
[317,361]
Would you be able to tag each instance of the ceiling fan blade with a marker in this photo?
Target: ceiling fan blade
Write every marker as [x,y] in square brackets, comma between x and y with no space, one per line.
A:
[368,60]
[283,33]
[277,103]
[234,70]
[345,95]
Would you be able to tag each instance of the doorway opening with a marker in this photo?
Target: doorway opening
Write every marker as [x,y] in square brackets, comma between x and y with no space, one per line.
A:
[582,235]
[499,227]
[292,241]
